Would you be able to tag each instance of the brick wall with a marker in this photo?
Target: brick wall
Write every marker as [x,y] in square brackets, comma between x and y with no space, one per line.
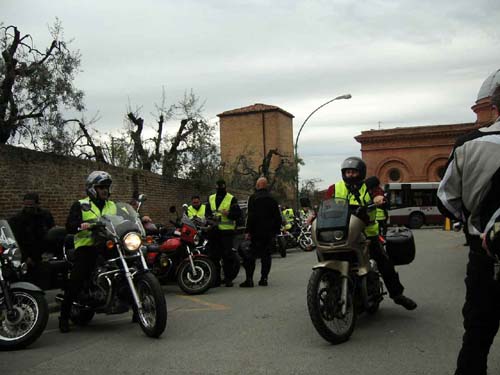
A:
[61,180]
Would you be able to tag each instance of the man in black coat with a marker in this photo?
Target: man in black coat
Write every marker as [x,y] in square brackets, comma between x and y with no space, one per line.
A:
[30,226]
[263,223]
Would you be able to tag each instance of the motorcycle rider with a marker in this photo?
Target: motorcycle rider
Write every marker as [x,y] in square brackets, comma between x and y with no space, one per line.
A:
[353,188]
[223,207]
[98,188]
[196,209]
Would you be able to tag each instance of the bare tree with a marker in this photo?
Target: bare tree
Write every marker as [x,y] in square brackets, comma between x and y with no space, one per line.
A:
[243,173]
[189,152]
[35,86]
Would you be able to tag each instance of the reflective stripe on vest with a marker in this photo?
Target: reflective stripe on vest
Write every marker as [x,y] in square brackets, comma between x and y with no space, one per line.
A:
[225,222]
[84,237]
[192,212]
[341,191]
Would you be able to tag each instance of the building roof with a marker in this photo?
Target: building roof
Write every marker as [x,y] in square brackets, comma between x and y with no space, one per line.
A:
[489,85]
[369,136]
[255,108]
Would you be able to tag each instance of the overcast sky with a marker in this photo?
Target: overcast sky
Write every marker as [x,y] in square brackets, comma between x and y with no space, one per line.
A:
[405,62]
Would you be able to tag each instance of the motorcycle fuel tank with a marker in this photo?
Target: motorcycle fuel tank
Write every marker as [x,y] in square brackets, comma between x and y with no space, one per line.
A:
[171,244]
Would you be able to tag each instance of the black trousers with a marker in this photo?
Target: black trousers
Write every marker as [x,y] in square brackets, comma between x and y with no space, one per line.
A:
[85,262]
[386,268]
[221,245]
[260,248]
[481,311]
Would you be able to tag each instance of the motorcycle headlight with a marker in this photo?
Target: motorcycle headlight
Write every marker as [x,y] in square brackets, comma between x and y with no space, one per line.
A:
[338,235]
[132,241]
[196,240]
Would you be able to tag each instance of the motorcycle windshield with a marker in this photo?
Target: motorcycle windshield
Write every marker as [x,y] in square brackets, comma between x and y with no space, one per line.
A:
[187,221]
[333,213]
[126,220]
[7,239]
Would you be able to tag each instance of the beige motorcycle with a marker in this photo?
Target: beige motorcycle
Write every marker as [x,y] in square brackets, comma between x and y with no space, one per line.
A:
[345,282]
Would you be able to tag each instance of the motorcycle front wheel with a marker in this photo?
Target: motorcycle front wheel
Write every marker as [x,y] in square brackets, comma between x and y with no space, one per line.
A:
[325,306]
[26,323]
[153,316]
[197,283]
[306,242]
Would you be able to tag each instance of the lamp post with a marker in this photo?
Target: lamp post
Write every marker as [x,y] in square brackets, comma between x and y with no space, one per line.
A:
[345,96]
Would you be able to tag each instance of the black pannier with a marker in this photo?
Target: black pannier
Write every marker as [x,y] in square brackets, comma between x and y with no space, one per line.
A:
[400,245]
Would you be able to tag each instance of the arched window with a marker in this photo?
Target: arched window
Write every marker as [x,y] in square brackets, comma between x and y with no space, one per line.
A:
[394,175]
[440,172]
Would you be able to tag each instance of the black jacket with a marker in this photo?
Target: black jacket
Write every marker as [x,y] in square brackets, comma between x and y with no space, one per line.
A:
[264,217]
[30,229]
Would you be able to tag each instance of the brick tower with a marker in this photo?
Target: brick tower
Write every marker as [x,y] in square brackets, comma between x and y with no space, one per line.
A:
[253,131]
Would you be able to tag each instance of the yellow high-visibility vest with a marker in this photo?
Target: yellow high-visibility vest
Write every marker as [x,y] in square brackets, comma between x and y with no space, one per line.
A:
[200,212]
[341,191]
[225,222]
[84,237]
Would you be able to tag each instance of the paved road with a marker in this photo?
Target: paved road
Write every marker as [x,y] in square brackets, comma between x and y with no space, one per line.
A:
[268,330]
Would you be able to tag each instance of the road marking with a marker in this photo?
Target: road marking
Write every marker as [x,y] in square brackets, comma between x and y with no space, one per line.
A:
[208,306]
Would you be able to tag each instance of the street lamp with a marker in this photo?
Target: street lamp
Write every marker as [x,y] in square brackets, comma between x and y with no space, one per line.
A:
[345,96]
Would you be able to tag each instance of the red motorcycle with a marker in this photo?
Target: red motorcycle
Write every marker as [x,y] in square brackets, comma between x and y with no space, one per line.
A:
[175,258]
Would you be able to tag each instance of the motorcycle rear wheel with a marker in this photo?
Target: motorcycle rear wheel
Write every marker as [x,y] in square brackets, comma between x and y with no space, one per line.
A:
[153,316]
[323,297]
[200,283]
[31,316]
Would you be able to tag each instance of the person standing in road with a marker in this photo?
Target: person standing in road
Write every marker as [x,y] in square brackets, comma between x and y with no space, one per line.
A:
[470,192]
[263,223]
[353,188]
[223,207]
[30,227]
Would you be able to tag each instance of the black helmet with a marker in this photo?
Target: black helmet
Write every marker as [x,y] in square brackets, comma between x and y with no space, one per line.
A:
[97,178]
[353,162]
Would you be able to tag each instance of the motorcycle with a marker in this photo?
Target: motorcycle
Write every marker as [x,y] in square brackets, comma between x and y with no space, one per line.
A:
[346,281]
[177,258]
[299,235]
[121,278]
[23,309]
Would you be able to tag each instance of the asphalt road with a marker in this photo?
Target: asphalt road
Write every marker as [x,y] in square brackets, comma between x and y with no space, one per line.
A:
[267,330]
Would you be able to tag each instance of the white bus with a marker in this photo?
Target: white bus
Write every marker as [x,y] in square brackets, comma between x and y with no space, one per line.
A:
[413,204]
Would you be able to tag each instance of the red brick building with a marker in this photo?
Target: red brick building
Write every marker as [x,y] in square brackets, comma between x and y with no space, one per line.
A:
[420,153]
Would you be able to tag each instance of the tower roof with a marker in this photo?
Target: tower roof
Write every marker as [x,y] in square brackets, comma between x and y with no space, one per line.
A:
[254,108]
[489,85]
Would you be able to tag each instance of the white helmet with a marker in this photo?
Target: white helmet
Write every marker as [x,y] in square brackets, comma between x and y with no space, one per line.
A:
[97,178]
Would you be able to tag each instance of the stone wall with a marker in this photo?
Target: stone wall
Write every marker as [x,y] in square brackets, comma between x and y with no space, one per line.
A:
[61,180]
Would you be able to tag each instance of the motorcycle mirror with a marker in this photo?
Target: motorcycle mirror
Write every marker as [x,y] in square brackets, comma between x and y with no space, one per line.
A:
[185,207]
[141,198]
[172,209]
